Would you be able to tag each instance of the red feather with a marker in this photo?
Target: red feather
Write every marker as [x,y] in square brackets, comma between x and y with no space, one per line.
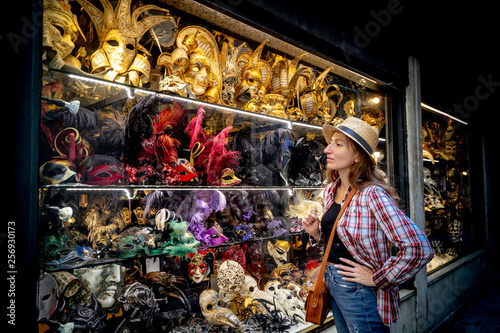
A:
[220,157]
[165,150]
[168,119]
[195,129]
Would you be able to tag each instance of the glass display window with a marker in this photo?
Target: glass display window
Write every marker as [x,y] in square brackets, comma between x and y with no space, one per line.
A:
[446,187]
[176,162]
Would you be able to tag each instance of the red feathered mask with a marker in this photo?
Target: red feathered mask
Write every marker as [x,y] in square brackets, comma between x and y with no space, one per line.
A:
[165,147]
[220,158]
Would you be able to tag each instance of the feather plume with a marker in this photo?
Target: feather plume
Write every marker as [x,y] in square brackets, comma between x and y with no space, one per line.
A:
[178,241]
[302,207]
[178,227]
[139,125]
[83,120]
[215,199]
[220,157]
[195,129]
[111,139]
[103,218]
[165,150]
[169,119]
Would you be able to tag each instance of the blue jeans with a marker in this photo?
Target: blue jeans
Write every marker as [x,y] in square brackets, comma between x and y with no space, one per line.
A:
[354,306]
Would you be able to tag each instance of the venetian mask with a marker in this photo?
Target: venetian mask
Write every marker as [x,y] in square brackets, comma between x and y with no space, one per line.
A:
[373,116]
[198,267]
[198,73]
[429,183]
[186,173]
[455,230]
[87,318]
[228,178]
[196,61]
[67,284]
[46,301]
[216,237]
[349,108]
[254,260]
[56,172]
[230,279]
[103,281]
[215,314]
[255,75]
[119,30]
[102,170]
[316,101]
[270,104]
[251,289]
[250,83]
[60,31]
[229,55]
[138,302]
[285,301]
[120,50]
[278,251]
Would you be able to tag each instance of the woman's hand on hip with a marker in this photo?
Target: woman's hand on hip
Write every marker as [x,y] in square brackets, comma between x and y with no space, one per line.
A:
[356,273]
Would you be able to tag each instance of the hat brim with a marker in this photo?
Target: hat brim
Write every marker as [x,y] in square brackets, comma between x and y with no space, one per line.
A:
[329,130]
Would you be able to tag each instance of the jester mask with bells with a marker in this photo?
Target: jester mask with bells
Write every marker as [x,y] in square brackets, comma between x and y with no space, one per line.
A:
[255,75]
[316,100]
[228,58]
[196,62]
[119,31]
[283,90]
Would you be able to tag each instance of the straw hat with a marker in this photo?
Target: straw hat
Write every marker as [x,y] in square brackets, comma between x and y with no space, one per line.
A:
[365,135]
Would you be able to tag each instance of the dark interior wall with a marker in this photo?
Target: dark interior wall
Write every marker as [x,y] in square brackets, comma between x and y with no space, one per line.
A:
[366,38]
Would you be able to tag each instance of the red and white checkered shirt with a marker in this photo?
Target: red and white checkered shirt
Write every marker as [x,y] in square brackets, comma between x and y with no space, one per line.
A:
[370,222]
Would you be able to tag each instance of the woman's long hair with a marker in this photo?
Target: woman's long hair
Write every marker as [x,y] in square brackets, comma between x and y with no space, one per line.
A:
[365,173]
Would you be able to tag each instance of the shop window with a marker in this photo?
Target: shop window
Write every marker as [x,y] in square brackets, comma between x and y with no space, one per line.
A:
[447,197]
[169,148]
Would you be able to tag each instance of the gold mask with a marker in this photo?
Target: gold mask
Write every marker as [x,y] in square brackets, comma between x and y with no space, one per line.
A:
[120,50]
[198,73]
[255,75]
[60,31]
[119,30]
[196,61]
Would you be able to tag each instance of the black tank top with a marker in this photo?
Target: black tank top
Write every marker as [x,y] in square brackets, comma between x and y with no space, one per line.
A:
[338,249]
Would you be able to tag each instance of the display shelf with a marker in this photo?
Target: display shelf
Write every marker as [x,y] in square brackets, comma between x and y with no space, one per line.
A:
[119,92]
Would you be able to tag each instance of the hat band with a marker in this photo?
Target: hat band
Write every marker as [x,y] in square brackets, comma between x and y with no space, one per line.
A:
[357,137]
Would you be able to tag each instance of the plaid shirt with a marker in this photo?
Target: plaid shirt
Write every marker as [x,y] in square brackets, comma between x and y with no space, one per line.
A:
[369,223]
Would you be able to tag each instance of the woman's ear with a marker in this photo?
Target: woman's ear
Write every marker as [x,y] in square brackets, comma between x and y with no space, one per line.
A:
[357,157]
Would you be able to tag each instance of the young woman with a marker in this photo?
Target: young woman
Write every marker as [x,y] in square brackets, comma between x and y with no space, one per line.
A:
[362,276]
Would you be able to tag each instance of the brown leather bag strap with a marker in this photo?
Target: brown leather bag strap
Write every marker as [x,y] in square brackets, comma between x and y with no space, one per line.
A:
[330,240]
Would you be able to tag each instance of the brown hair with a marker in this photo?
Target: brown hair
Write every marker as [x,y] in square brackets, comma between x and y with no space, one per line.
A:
[365,173]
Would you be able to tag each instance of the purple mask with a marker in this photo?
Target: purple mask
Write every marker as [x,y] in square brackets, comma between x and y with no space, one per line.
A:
[216,236]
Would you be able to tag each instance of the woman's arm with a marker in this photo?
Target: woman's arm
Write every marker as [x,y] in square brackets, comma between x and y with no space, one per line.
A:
[414,250]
